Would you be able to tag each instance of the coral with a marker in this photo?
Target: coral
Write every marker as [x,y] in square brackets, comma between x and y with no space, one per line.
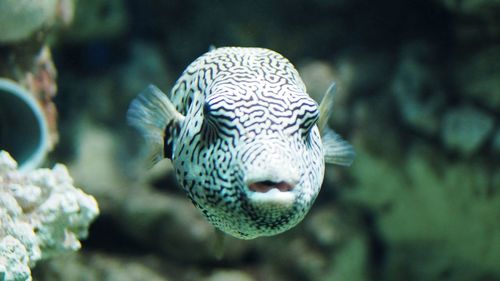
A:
[19,19]
[41,214]
[13,260]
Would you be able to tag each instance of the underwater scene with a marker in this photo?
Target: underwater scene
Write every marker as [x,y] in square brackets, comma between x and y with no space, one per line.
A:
[218,140]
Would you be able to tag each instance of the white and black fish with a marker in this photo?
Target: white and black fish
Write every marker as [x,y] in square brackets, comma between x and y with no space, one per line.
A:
[247,142]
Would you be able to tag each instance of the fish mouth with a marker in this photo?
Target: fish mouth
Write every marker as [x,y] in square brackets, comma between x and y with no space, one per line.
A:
[267,185]
[269,192]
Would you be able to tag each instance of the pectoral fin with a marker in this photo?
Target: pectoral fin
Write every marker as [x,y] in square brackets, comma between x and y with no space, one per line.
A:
[335,149]
[326,107]
[156,118]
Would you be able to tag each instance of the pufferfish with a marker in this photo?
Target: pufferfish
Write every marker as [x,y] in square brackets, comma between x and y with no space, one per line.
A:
[247,143]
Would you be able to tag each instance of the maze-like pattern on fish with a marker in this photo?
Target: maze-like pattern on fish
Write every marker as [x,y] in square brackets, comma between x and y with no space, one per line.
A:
[245,108]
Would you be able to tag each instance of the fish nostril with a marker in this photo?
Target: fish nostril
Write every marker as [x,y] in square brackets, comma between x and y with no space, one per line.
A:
[265,186]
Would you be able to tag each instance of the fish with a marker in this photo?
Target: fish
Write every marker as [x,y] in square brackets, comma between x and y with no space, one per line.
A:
[247,143]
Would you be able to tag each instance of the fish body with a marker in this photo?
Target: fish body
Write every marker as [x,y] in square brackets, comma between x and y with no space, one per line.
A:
[247,143]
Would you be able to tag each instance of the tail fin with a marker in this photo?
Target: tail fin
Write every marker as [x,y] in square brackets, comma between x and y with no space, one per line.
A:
[154,116]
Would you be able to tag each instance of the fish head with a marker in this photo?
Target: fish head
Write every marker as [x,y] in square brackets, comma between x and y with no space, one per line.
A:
[259,160]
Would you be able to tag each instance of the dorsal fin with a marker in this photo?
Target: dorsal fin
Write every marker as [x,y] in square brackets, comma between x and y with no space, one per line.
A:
[156,118]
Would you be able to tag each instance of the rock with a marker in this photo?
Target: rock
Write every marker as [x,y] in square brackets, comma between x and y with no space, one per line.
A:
[317,76]
[229,275]
[297,256]
[477,76]
[473,7]
[496,142]
[96,19]
[475,20]
[425,207]
[97,266]
[350,261]
[325,227]
[417,90]
[146,65]
[465,129]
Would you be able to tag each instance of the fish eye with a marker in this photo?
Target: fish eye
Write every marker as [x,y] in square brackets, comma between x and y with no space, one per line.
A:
[209,125]
[309,119]
[217,107]
[217,116]
[309,116]
[213,110]
[209,115]
[206,109]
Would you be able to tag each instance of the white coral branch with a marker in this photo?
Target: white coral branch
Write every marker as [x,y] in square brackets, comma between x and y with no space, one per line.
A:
[41,215]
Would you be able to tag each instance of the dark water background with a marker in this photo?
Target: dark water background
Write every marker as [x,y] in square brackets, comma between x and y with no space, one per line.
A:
[419,98]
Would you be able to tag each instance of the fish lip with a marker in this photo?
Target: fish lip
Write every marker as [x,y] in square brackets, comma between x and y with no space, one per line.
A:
[267,185]
[264,183]
[269,192]
[273,197]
